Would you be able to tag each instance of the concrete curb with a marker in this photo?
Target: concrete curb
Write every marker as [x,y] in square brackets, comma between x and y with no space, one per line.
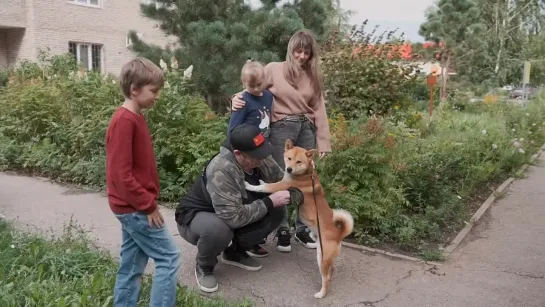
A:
[462,233]
[364,248]
[485,205]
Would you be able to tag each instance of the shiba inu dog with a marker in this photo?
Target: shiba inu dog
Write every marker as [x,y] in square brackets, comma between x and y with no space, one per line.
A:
[330,226]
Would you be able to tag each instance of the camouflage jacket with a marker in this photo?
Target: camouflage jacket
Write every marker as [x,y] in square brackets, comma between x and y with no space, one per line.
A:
[225,185]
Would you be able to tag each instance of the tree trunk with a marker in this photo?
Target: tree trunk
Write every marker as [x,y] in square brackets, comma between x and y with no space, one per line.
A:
[444,77]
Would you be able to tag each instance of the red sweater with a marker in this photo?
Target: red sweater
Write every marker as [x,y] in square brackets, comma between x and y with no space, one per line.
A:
[132,182]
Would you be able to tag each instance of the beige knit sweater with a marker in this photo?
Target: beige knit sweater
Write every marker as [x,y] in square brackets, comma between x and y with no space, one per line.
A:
[291,101]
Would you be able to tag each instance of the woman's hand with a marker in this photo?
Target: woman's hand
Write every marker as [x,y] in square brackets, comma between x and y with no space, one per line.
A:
[237,102]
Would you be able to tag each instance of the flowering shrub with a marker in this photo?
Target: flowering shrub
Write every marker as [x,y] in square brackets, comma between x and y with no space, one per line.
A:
[363,74]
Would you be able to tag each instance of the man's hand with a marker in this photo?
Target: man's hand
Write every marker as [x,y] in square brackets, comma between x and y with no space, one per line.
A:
[155,218]
[280,198]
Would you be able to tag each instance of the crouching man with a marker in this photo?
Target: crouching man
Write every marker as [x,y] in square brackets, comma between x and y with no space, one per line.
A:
[217,209]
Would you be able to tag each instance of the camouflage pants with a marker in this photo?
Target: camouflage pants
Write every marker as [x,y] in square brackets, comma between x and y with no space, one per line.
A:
[212,236]
[302,133]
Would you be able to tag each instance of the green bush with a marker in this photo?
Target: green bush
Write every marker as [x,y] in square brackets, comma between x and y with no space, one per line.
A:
[404,179]
[405,185]
[54,121]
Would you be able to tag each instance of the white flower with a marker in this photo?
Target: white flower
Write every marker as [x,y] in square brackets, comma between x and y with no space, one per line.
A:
[527,114]
[522,139]
[459,197]
[163,65]
[494,146]
[12,246]
[483,132]
[533,124]
[517,144]
[188,72]
[174,63]
[521,150]
[167,85]
[529,132]
[514,130]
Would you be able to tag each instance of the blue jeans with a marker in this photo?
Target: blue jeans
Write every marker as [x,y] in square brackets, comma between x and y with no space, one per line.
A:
[302,133]
[141,242]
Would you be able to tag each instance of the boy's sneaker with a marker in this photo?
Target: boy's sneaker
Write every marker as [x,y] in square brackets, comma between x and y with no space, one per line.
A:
[257,252]
[239,259]
[283,244]
[205,278]
[305,239]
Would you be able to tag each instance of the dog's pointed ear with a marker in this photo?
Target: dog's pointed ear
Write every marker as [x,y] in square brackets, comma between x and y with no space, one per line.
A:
[311,153]
[288,145]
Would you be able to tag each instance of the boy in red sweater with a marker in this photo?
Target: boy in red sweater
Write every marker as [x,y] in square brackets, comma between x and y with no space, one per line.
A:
[132,185]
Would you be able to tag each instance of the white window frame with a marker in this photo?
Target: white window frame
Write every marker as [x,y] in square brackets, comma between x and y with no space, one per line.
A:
[87,4]
[89,54]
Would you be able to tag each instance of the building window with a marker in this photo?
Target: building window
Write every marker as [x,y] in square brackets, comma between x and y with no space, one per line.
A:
[88,55]
[93,3]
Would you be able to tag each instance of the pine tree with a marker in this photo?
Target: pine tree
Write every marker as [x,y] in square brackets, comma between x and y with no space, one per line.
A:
[218,36]
[455,26]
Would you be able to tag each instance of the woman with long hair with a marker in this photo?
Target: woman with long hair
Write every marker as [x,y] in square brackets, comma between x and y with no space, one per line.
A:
[298,114]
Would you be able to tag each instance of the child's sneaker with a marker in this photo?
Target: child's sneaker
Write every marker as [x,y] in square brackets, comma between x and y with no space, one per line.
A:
[205,278]
[305,239]
[283,244]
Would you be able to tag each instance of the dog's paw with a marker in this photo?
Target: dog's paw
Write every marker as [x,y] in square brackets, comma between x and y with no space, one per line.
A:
[319,294]
[248,186]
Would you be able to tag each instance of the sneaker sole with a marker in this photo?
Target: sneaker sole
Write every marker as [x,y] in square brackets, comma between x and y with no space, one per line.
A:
[256,255]
[284,249]
[204,289]
[307,245]
[240,265]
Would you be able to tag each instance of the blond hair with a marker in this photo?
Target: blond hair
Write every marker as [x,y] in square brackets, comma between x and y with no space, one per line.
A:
[140,72]
[303,39]
[252,72]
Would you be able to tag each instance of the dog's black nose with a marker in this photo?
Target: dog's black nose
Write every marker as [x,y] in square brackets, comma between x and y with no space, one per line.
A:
[289,169]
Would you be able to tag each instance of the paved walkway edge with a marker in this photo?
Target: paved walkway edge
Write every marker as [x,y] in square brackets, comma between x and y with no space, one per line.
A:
[485,205]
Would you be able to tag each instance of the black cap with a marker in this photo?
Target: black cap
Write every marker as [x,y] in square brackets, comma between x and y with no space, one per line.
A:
[249,139]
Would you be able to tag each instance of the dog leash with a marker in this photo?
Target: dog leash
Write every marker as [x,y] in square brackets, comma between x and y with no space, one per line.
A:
[317,217]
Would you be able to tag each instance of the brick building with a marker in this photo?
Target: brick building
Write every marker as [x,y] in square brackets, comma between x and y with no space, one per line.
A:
[94,31]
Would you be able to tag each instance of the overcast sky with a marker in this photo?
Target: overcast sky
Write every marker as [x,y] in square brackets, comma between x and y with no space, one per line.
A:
[407,15]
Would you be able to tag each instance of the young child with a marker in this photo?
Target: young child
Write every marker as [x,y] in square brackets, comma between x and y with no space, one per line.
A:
[257,111]
[132,185]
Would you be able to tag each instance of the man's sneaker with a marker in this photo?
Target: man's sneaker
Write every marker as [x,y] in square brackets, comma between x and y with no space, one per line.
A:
[305,239]
[205,278]
[257,252]
[283,244]
[240,259]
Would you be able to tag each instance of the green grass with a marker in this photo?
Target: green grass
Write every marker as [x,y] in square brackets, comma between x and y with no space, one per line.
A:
[67,271]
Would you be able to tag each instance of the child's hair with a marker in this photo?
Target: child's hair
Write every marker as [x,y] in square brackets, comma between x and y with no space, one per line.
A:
[252,72]
[140,72]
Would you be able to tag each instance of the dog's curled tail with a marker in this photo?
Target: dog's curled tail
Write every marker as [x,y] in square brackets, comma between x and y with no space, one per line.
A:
[344,221]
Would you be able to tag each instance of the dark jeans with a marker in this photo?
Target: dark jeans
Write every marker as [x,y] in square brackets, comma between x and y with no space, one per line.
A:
[302,133]
[212,236]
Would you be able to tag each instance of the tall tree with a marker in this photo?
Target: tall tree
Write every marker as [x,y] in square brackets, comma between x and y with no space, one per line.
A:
[217,36]
[454,25]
